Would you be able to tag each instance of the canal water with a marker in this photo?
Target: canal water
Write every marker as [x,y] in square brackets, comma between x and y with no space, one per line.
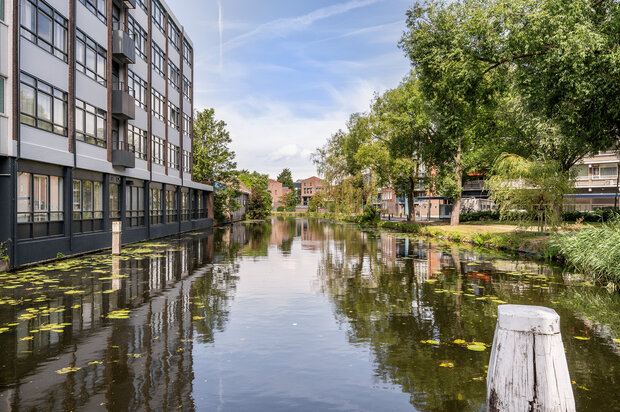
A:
[288,314]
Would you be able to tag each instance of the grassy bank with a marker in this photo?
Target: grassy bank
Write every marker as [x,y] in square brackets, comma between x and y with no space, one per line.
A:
[594,251]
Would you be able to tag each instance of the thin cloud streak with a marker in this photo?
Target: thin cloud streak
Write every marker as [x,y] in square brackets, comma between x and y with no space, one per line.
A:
[220,21]
[281,27]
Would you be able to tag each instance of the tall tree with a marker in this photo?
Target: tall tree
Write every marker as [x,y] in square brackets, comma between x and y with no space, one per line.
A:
[286,178]
[214,161]
[460,94]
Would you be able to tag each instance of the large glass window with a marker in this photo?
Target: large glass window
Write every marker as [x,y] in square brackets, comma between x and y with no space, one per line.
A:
[97,7]
[87,200]
[137,88]
[187,161]
[44,26]
[171,205]
[158,150]
[157,210]
[42,106]
[174,35]
[158,105]
[158,57]
[2,10]
[115,201]
[134,205]
[39,198]
[142,4]
[90,124]
[140,37]
[187,52]
[174,116]
[137,140]
[187,88]
[174,76]
[187,124]
[185,205]
[90,57]
[173,156]
[159,16]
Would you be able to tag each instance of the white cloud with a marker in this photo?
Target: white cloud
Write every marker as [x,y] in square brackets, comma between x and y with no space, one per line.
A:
[281,27]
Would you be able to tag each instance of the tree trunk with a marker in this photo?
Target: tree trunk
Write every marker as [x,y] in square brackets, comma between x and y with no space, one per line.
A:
[455,218]
[411,200]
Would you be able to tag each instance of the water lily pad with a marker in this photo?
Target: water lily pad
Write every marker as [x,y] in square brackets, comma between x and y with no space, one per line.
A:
[476,348]
[68,369]
[458,341]
[447,365]
[581,338]
[430,342]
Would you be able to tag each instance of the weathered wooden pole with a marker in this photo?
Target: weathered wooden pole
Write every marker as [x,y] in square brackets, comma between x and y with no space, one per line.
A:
[528,369]
[116,238]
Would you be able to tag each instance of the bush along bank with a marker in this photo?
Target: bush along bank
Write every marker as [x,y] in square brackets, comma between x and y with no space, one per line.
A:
[594,251]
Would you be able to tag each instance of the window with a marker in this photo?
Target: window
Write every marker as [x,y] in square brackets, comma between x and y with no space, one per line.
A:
[45,27]
[173,116]
[134,204]
[159,16]
[39,198]
[97,7]
[174,76]
[173,156]
[187,161]
[158,105]
[185,206]
[87,200]
[90,57]
[137,88]
[115,202]
[581,171]
[187,52]
[187,88]
[200,205]
[159,60]
[609,172]
[142,4]
[187,124]
[42,106]
[137,141]
[90,124]
[2,10]
[157,150]
[171,205]
[139,35]
[174,35]
[1,94]
[156,206]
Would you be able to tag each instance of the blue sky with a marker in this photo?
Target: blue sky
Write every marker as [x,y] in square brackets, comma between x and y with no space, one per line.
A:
[286,74]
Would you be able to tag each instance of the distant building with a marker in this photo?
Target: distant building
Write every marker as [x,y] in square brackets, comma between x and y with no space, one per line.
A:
[310,187]
[276,190]
[596,183]
[242,200]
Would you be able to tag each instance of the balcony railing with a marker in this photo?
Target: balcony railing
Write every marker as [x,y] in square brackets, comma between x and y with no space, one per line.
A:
[123,103]
[123,45]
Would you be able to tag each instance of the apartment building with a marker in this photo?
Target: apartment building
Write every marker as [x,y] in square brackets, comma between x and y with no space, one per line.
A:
[597,182]
[310,187]
[96,103]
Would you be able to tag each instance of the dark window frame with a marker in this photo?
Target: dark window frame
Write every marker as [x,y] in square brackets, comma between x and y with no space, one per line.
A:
[137,141]
[56,95]
[158,148]
[100,115]
[137,88]
[32,33]
[98,8]
[98,50]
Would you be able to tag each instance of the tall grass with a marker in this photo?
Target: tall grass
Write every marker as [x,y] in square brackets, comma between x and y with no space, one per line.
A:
[595,251]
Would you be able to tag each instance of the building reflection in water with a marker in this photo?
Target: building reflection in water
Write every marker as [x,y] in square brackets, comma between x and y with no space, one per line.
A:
[125,324]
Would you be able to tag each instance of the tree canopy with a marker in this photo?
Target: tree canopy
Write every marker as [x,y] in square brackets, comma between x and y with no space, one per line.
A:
[214,161]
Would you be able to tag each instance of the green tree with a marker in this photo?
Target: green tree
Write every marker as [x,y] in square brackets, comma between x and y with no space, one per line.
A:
[286,178]
[291,198]
[214,161]
[459,92]
[259,205]
[517,184]
[225,202]
[316,201]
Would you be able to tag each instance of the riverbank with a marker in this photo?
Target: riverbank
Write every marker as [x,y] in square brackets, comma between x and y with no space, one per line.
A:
[593,250]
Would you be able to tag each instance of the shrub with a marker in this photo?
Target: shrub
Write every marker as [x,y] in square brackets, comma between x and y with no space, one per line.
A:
[280,209]
[370,216]
[479,216]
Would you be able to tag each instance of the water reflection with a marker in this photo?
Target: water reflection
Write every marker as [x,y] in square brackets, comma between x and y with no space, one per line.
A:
[139,331]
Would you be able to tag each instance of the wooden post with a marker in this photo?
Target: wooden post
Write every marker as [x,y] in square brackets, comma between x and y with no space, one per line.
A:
[528,369]
[116,238]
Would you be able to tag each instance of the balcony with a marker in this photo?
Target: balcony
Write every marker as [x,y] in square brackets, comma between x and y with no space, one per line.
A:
[123,103]
[123,158]
[123,46]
